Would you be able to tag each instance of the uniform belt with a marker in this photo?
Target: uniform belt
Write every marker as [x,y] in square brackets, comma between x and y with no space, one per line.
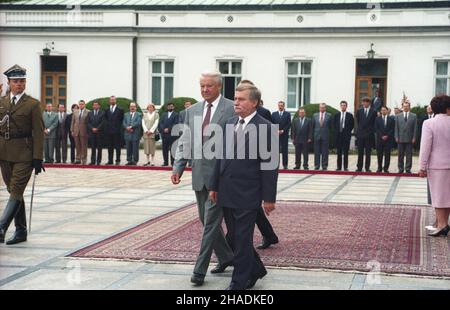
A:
[17,135]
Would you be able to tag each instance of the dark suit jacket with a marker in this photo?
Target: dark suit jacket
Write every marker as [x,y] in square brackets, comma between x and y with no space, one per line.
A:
[346,134]
[166,122]
[264,113]
[68,123]
[62,129]
[381,131]
[300,135]
[284,122]
[96,122]
[377,103]
[241,183]
[365,126]
[114,121]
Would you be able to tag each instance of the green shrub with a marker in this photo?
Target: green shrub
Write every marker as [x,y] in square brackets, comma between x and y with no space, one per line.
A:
[178,102]
[419,111]
[122,103]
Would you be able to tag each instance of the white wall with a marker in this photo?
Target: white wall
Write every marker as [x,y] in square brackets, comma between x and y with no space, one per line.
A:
[96,66]
[410,64]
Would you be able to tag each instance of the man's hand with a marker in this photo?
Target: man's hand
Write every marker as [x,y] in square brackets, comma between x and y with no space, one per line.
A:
[166,130]
[396,140]
[423,173]
[176,178]
[309,141]
[414,141]
[213,196]
[38,166]
[268,207]
[384,138]
[280,132]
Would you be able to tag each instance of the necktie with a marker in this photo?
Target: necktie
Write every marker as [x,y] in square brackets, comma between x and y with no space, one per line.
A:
[60,117]
[406,117]
[206,121]
[342,121]
[366,111]
[301,122]
[281,114]
[385,121]
[13,102]
[321,119]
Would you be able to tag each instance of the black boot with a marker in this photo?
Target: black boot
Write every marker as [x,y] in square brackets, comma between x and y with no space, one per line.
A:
[20,221]
[9,214]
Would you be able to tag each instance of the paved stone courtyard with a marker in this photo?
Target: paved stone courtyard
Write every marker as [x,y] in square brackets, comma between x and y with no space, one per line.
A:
[76,207]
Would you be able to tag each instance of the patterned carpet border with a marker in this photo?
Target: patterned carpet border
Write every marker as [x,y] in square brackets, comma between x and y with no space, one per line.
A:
[358,237]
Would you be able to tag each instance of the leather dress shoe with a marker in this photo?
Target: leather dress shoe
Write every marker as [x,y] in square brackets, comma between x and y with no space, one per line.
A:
[251,283]
[17,238]
[197,279]
[221,267]
[266,244]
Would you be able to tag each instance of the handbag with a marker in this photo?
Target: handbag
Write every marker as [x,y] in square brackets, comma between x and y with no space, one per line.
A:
[157,136]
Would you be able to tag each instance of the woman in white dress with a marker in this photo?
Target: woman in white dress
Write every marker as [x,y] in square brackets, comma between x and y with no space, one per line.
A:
[149,126]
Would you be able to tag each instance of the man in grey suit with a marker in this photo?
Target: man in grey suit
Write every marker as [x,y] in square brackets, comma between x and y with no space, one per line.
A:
[301,134]
[321,128]
[50,129]
[132,126]
[214,109]
[405,136]
[61,135]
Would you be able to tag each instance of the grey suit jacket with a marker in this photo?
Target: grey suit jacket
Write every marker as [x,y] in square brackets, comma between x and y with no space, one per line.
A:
[50,122]
[301,134]
[405,132]
[135,123]
[322,132]
[202,168]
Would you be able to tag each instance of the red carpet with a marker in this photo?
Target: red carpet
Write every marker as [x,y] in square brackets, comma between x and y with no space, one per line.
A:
[341,236]
[71,166]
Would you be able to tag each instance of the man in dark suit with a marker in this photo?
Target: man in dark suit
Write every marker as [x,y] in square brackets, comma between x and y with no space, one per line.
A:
[61,135]
[343,124]
[422,119]
[113,131]
[283,119]
[96,123]
[384,130]
[365,133]
[301,135]
[264,112]
[321,123]
[241,186]
[166,123]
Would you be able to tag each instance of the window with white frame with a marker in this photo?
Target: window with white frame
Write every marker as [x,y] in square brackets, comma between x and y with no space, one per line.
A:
[232,74]
[442,77]
[298,84]
[162,75]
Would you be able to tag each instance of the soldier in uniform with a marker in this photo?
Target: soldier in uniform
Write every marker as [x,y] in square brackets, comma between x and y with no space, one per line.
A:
[21,149]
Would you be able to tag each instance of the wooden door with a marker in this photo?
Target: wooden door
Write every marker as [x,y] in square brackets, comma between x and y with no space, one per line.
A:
[363,89]
[54,89]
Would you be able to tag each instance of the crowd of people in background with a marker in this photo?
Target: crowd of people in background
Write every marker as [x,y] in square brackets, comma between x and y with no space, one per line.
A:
[373,126]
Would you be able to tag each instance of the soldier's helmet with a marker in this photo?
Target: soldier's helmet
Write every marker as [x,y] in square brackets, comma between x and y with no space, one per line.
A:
[16,72]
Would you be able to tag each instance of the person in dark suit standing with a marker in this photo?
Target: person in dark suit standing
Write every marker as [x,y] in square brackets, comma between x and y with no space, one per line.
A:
[166,123]
[343,124]
[377,101]
[301,135]
[74,108]
[365,133]
[384,131]
[61,135]
[96,124]
[423,118]
[321,124]
[241,186]
[283,119]
[405,136]
[113,131]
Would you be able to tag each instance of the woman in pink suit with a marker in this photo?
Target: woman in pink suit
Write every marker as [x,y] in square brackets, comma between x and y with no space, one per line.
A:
[434,161]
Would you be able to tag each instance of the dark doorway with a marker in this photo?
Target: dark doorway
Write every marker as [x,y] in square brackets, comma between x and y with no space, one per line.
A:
[371,75]
[53,80]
